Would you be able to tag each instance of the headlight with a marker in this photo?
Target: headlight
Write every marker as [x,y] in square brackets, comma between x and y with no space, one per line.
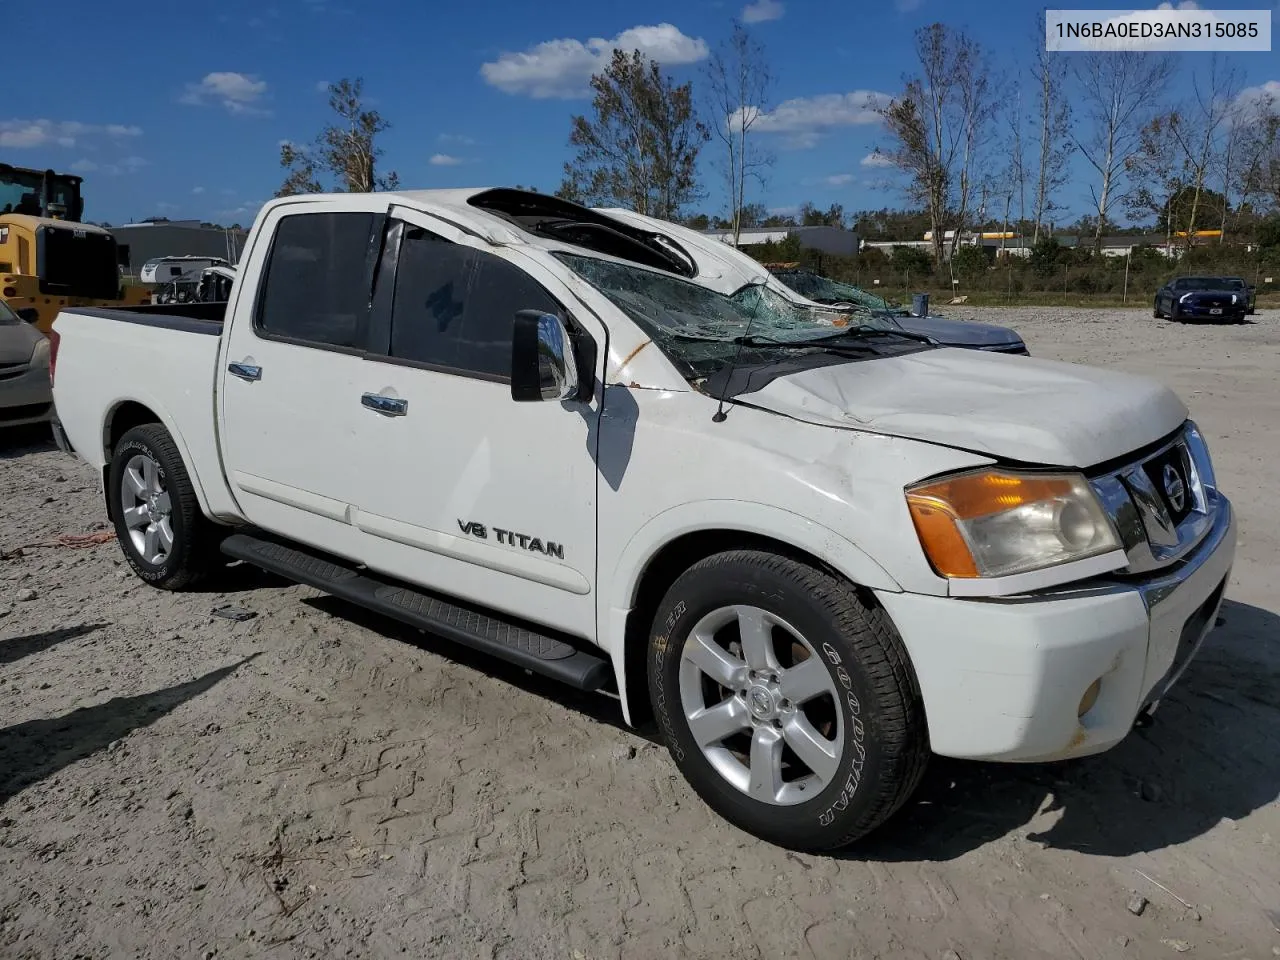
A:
[40,353]
[996,522]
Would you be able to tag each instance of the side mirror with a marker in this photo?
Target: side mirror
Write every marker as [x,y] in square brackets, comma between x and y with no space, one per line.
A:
[29,314]
[543,366]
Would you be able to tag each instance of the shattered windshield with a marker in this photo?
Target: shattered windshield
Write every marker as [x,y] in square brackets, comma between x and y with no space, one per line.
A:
[705,330]
[825,290]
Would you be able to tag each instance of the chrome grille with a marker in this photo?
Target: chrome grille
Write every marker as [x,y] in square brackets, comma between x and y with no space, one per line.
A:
[1163,504]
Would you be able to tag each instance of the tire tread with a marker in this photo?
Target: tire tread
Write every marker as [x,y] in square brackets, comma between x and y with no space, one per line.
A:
[881,655]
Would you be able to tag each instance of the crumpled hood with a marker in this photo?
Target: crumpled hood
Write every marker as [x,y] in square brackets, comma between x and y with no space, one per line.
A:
[958,332]
[1016,408]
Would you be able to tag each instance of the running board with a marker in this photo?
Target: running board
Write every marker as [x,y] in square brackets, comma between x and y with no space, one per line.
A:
[521,645]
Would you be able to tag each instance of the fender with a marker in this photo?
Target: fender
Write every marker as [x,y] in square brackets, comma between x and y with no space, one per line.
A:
[144,398]
[744,516]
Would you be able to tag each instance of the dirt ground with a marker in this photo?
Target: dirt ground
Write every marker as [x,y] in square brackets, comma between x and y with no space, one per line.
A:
[319,782]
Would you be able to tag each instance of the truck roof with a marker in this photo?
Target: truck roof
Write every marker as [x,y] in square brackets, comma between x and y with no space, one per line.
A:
[524,217]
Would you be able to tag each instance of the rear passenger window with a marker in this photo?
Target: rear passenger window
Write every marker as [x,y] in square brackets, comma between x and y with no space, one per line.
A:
[454,306]
[318,279]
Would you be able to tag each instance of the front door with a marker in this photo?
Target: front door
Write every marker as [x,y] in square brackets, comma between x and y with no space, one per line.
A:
[292,372]
[468,491]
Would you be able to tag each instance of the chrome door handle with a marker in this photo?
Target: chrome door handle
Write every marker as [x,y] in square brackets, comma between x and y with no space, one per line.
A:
[390,406]
[245,371]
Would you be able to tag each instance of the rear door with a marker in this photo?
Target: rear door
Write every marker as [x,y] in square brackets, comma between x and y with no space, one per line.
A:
[468,491]
[293,372]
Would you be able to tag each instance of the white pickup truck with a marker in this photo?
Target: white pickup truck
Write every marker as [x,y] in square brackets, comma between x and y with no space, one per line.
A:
[812,553]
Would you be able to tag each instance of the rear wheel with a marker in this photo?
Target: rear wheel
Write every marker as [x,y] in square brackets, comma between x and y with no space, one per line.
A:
[165,537]
[786,700]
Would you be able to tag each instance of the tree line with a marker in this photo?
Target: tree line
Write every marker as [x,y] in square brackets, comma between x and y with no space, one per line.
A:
[973,146]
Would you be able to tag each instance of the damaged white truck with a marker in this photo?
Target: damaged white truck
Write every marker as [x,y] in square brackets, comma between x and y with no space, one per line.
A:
[814,550]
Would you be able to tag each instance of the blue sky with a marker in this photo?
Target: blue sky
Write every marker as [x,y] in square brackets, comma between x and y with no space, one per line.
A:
[179,110]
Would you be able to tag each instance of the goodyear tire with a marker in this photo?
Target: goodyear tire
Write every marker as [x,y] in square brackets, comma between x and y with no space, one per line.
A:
[786,699]
[165,537]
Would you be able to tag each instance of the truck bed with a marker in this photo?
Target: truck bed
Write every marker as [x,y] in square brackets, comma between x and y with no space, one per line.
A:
[116,364]
[191,317]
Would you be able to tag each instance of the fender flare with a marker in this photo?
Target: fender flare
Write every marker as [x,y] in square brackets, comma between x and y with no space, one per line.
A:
[742,516]
[144,399]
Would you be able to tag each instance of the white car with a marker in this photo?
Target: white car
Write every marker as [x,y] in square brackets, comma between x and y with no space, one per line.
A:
[813,555]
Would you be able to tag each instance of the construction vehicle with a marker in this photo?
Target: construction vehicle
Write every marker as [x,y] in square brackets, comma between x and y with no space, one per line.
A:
[48,258]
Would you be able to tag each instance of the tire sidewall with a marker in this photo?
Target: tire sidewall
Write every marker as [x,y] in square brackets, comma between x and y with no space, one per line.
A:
[132,444]
[833,813]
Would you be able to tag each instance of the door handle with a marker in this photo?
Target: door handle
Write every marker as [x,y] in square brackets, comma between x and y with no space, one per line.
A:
[245,371]
[390,406]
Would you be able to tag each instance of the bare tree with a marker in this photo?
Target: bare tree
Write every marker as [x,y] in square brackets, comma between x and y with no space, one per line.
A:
[1053,124]
[1201,131]
[977,111]
[939,127]
[1255,137]
[1119,93]
[739,83]
[1156,175]
[345,150]
[640,148]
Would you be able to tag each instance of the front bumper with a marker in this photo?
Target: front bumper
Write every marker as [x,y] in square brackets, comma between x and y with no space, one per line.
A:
[26,397]
[1188,311]
[1004,679]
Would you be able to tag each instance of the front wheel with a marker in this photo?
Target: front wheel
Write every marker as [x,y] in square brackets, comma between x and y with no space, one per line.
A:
[166,539]
[786,699]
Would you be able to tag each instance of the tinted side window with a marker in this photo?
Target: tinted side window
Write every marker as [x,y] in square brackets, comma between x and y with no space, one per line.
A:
[318,280]
[498,291]
[432,281]
[454,306]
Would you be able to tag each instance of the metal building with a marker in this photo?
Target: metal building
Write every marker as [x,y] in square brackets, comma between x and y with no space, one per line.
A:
[826,239]
[140,242]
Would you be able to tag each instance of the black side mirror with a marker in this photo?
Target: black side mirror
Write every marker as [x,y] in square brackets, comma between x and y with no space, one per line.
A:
[543,365]
[29,314]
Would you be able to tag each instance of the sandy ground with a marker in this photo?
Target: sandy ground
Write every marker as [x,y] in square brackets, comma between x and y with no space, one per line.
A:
[319,782]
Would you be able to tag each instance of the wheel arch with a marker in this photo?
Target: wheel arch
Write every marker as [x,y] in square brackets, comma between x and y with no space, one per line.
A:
[126,413]
[673,541]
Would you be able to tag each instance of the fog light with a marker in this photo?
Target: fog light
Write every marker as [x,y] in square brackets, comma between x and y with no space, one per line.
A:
[1090,698]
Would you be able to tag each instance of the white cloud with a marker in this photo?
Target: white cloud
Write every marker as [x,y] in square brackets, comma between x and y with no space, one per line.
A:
[84,166]
[1184,5]
[1256,96]
[127,165]
[458,138]
[876,159]
[244,212]
[561,68]
[197,190]
[22,134]
[763,10]
[805,119]
[444,160]
[788,211]
[838,179]
[237,92]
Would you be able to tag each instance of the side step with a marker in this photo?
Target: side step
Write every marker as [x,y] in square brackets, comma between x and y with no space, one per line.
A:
[522,645]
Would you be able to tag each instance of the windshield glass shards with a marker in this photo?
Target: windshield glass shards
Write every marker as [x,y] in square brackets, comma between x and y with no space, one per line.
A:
[704,330]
